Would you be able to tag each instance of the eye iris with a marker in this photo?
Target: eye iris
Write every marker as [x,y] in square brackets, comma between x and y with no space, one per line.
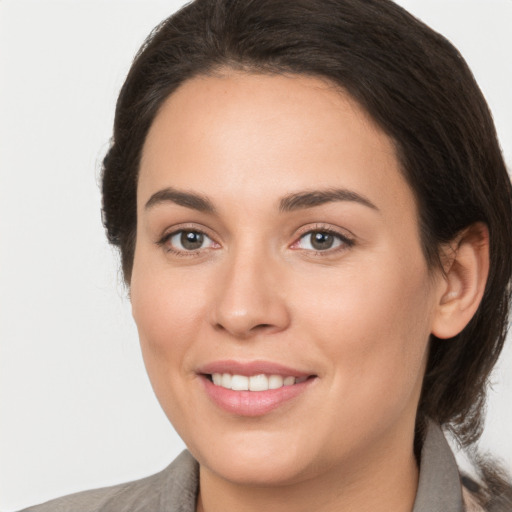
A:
[321,240]
[191,240]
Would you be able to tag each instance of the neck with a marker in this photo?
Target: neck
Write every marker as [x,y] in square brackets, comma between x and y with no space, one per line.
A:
[383,478]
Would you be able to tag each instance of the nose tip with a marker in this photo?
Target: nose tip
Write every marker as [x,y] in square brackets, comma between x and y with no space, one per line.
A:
[250,302]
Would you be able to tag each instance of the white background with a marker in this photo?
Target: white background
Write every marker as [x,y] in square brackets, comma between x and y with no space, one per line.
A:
[77,410]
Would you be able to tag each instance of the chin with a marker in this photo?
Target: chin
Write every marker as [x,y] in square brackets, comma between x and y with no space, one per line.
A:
[259,471]
[257,460]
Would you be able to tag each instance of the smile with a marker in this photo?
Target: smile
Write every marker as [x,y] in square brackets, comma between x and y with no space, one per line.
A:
[253,388]
[259,382]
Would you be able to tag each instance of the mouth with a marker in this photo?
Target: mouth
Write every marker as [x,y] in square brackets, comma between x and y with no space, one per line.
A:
[260,382]
[253,388]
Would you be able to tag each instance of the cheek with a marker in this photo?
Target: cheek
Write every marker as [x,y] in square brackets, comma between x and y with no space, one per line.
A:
[374,323]
[167,308]
[167,314]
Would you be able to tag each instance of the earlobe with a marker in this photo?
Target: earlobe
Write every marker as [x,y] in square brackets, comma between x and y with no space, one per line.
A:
[466,267]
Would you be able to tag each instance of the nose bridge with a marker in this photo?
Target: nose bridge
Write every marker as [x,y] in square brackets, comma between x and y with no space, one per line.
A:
[249,298]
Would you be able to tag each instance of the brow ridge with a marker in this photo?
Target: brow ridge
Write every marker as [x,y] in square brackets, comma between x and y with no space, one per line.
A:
[312,198]
[291,202]
[181,198]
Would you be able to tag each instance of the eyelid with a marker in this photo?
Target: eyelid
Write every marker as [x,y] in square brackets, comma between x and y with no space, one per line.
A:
[163,240]
[344,235]
[347,238]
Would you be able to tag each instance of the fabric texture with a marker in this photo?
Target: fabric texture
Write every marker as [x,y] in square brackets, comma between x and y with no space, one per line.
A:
[175,488]
[172,490]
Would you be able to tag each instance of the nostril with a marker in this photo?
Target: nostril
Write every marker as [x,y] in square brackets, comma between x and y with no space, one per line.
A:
[261,327]
[241,330]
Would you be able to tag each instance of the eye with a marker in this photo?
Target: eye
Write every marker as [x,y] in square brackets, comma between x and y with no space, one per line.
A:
[322,240]
[187,240]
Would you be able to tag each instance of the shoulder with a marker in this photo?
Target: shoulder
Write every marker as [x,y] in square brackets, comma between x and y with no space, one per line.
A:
[174,488]
[442,486]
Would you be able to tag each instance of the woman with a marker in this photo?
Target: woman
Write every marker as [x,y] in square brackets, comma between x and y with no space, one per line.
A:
[314,217]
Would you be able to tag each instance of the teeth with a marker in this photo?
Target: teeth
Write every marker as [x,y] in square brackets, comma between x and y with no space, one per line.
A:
[225,381]
[254,383]
[239,382]
[258,383]
[275,382]
[289,381]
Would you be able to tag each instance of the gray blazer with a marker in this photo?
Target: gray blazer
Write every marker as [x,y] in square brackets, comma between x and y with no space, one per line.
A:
[175,488]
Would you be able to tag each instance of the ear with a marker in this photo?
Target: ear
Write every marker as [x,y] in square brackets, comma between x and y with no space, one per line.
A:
[466,267]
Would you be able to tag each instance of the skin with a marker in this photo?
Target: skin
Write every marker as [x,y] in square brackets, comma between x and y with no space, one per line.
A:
[358,317]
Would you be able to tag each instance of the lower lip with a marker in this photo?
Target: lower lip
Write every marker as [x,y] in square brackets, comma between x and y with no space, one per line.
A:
[253,403]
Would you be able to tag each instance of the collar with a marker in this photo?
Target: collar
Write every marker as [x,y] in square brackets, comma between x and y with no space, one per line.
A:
[439,486]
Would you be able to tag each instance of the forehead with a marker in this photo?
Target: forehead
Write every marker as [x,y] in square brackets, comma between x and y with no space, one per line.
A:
[243,136]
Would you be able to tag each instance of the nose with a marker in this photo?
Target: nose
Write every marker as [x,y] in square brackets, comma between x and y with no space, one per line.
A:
[250,297]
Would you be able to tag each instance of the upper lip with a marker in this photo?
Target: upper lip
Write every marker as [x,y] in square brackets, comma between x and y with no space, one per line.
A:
[249,368]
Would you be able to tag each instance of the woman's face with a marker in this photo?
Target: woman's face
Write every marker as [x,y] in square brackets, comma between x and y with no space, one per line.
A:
[278,249]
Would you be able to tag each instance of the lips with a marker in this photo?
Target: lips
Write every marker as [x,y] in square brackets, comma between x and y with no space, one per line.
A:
[252,388]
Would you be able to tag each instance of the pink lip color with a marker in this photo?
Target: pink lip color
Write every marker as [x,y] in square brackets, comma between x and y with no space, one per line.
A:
[251,403]
[250,368]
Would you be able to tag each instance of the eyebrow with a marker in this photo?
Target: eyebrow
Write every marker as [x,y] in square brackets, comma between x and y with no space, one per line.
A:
[289,203]
[181,198]
[310,199]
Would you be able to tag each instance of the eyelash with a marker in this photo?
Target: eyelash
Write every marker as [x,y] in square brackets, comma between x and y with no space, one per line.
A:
[345,241]
[164,241]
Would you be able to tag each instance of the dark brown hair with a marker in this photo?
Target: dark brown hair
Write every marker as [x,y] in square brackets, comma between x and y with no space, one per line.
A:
[413,83]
